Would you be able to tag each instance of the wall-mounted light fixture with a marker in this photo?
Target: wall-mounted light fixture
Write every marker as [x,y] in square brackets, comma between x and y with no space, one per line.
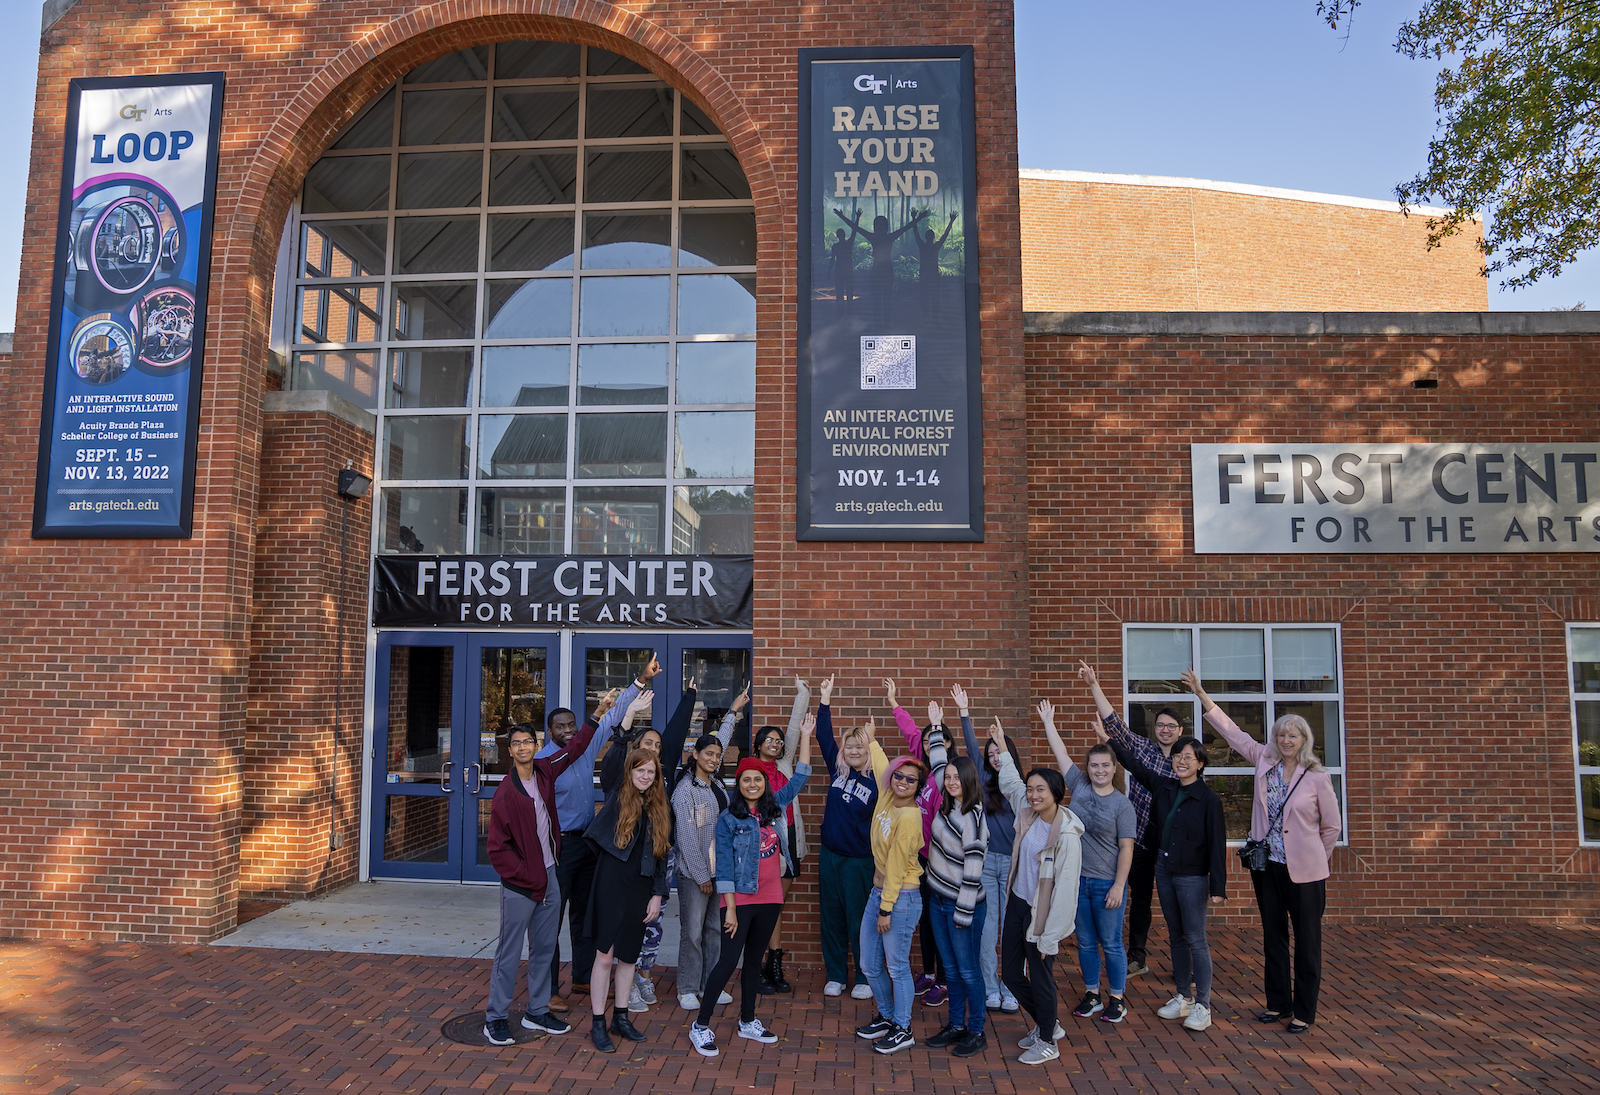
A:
[352,484]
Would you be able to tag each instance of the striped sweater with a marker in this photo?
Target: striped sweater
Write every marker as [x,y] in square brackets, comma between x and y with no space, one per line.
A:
[957,844]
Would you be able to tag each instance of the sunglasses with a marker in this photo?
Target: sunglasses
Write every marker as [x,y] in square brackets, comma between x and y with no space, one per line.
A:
[904,777]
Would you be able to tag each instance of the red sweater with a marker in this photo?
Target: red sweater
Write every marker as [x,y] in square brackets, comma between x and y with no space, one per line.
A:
[514,849]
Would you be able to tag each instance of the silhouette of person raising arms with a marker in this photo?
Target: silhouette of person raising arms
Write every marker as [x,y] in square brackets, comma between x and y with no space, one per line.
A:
[844,267]
[882,241]
[928,250]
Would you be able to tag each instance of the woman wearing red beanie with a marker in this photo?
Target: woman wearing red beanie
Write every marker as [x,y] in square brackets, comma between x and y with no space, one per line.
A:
[751,852]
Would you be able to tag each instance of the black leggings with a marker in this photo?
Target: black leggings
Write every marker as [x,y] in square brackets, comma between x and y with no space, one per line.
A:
[932,957]
[755,930]
[1035,990]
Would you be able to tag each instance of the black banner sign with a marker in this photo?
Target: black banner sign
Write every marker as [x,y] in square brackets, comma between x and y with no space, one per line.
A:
[648,592]
[889,436]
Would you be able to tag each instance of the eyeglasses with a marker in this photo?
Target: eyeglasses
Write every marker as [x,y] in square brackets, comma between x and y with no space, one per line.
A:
[521,741]
[904,777]
[1168,726]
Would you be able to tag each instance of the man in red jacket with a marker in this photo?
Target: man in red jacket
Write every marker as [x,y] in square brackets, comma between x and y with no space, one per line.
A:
[524,848]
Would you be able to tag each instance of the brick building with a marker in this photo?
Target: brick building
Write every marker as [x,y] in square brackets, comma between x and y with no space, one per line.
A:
[408,193]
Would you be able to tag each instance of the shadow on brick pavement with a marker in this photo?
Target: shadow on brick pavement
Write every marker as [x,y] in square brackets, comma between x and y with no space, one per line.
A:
[1414,1009]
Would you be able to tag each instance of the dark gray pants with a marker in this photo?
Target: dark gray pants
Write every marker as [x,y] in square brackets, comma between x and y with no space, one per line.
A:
[699,935]
[537,922]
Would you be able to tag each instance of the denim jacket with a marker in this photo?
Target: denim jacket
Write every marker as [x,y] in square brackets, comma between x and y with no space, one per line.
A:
[739,840]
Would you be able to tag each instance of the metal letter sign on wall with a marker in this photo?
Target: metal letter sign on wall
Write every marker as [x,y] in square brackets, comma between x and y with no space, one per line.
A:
[127,308]
[1296,499]
[656,593]
[889,437]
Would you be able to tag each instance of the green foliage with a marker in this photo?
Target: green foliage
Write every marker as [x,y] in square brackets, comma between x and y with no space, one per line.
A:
[1519,118]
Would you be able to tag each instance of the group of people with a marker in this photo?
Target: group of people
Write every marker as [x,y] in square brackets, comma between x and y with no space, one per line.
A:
[968,850]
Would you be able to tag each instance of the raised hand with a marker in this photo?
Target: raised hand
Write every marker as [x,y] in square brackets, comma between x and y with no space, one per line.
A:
[742,700]
[1047,714]
[870,729]
[799,684]
[1099,730]
[958,696]
[1086,673]
[825,689]
[889,693]
[808,725]
[638,706]
[649,672]
[996,734]
[935,714]
[605,703]
[1192,680]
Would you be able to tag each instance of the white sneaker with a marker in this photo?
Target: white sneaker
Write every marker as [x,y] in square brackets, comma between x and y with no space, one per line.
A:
[703,1040]
[1199,1018]
[992,1001]
[1040,1053]
[1008,1004]
[688,1001]
[862,991]
[833,988]
[1176,1008]
[756,1032]
[647,990]
[1031,1039]
[725,998]
[636,1001]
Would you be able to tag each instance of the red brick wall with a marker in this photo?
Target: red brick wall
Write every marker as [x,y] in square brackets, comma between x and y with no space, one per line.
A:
[1458,730]
[128,665]
[302,776]
[1105,246]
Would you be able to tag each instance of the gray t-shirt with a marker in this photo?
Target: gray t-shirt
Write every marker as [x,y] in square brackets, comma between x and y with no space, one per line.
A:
[1106,819]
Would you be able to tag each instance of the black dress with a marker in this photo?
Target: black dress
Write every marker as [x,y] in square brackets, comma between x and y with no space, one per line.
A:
[618,902]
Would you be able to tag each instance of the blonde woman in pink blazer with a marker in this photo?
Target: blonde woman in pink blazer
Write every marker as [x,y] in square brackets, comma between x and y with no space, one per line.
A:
[1291,786]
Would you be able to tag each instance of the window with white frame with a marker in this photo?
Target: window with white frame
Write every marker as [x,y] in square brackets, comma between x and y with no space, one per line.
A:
[535,262]
[1583,645]
[1255,675]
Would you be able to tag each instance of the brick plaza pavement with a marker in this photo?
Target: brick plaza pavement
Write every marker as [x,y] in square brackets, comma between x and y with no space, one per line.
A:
[1424,1009]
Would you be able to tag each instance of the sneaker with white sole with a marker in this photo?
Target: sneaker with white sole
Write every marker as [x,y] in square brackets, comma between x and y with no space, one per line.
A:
[546,1022]
[992,1001]
[877,1028]
[724,997]
[1116,1010]
[897,1039]
[1199,1018]
[1008,1004]
[1040,1053]
[1088,1005]
[688,1001]
[1031,1039]
[498,1032]
[703,1039]
[1177,1008]
[636,999]
[862,991]
[754,1031]
[833,988]
[647,990]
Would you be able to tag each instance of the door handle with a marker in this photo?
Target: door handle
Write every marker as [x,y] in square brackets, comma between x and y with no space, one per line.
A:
[477,779]
[444,783]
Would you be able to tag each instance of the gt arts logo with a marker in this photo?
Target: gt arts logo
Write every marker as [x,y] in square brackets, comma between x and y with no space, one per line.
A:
[133,113]
[870,83]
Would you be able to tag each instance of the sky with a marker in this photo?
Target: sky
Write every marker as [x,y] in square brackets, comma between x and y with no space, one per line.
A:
[1250,91]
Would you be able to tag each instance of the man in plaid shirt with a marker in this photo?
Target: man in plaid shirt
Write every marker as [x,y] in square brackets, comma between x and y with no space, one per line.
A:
[1157,757]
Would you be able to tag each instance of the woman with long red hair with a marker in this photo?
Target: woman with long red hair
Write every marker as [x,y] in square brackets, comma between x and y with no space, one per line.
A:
[632,834]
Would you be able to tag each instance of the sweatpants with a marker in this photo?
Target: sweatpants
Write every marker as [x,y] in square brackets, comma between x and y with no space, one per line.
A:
[538,922]
[843,883]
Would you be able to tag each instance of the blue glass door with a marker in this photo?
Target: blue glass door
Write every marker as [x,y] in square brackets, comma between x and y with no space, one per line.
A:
[418,751]
[513,683]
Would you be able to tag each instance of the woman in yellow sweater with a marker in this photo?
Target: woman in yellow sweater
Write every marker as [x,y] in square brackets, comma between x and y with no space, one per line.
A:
[894,908]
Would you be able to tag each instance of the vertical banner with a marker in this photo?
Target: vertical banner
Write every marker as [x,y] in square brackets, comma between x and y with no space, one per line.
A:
[889,437]
[127,308]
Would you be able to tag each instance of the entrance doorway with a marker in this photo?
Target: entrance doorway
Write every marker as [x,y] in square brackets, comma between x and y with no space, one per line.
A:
[444,706]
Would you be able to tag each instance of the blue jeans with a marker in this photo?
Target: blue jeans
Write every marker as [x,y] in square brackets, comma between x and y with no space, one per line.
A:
[1099,927]
[959,946]
[996,868]
[887,956]
[1183,905]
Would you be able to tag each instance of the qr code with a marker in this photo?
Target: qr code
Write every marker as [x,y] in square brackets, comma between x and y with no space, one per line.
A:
[888,361]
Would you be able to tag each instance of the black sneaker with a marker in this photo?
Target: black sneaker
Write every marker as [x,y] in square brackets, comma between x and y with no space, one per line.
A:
[897,1039]
[972,1043]
[1088,1005]
[545,1022]
[498,1031]
[948,1035]
[1115,1011]
[876,1029]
